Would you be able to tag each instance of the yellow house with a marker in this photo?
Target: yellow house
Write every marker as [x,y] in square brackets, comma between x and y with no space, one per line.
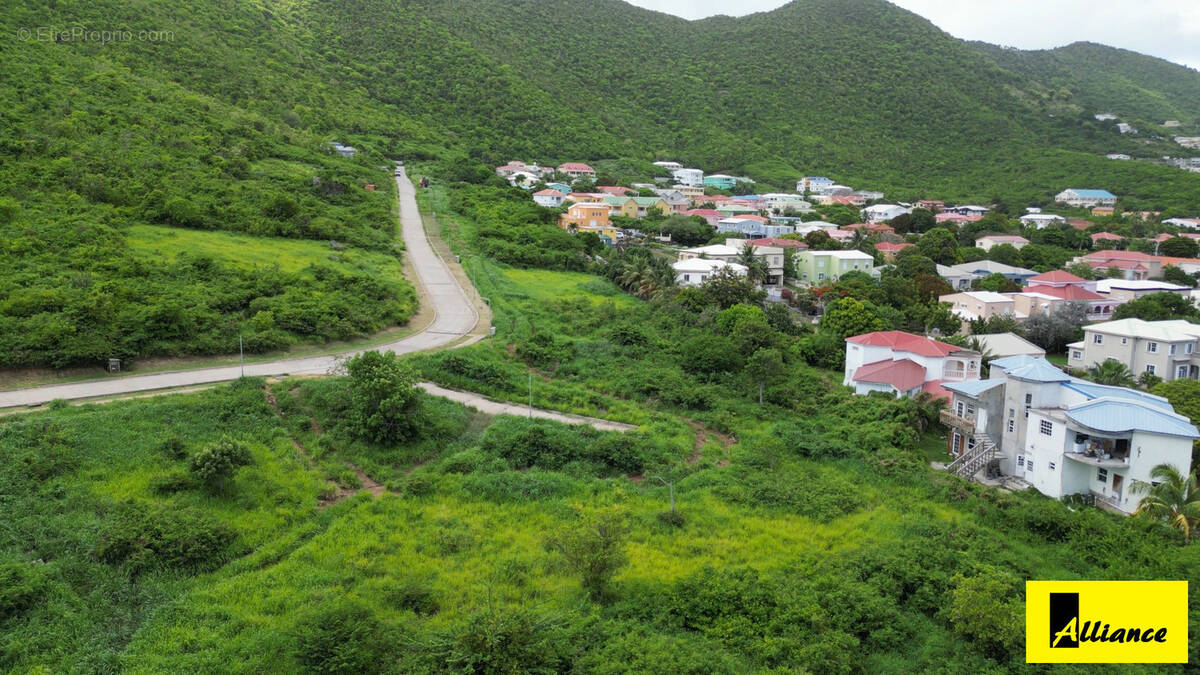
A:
[589,217]
[622,206]
[646,205]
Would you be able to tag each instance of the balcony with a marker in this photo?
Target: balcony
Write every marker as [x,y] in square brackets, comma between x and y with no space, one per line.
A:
[950,419]
[1100,461]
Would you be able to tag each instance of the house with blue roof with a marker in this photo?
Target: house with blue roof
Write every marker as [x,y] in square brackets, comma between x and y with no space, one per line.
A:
[1086,198]
[1034,425]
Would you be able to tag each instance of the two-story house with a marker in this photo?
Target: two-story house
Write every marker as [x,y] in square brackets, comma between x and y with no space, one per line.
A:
[1085,198]
[903,364]
[589,217]
[1167,349]
[696,271]
[817,267]
[1062,435]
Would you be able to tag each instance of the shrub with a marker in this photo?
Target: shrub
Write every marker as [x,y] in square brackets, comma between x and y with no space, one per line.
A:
[988,609]
[214,464]
[595,549]
[171,482]
[518,487]
[503,640]
[21,587]
[143,538]
[384,404]
[173,447]
[342,638]
[415,595]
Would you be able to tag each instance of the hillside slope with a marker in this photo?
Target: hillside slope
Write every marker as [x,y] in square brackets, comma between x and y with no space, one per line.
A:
[1106,79]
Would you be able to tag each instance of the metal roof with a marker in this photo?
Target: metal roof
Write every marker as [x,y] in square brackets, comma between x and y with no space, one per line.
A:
[1114,416]
[973,388]
[1032,368]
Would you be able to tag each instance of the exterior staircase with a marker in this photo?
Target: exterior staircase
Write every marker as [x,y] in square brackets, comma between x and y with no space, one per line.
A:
[972,460]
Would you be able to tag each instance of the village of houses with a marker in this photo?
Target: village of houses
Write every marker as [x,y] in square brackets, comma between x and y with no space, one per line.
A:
[1020,421]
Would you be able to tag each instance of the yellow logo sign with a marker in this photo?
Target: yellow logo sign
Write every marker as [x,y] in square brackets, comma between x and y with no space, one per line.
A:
[1106,622]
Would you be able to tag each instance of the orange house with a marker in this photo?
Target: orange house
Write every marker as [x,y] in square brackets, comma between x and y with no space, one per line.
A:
[589,217]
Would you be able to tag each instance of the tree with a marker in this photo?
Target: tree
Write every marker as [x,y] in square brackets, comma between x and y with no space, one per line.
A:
[987,609]
[1081,270]
[1157,307]
[686,230]
[999,323]
[1111,372]
[384,405]
[756,265]
[1005,253]
[819,240]
[998,283]
[764,366]
[1174,275]
[595,549]
[726,289]
[939,245]
[910,262]
[1054,329]
[747,326]
[1179,247]
[1175,499]
[847,317]
[214,464]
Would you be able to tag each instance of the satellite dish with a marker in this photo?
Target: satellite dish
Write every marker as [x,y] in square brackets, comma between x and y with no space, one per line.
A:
[936,331]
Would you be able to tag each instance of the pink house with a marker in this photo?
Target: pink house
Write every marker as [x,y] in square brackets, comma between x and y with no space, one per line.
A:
[710,216]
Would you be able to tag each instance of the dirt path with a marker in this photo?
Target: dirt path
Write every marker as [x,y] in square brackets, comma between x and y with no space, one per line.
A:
[703,434]
[486,405]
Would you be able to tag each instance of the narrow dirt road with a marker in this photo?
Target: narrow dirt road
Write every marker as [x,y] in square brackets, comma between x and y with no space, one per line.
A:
[490,407]
[454,318]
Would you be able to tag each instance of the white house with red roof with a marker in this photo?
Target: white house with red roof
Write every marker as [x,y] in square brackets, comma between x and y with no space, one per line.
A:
[889,250]
[576,170]
[1106,236]
[903,364]
[551,199]
[1059,279]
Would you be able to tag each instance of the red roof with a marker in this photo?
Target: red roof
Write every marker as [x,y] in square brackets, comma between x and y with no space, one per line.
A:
[575,166]
[742,216]
[1056,277]
[1170,260]
[548,192]
[615,189]
[1079,223]
[885,246]
[847,199]
[943,217]
[1067,292]
[1108,236]
[935,388]
[1011,238]
[775,241]
[705,213]
[1101,264]
[904,342]
[903,374]
[1118,255]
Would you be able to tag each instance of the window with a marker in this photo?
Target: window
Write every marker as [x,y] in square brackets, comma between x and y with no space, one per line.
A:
[821,276]
[1173,349]
[1076,354]
[1098,339]
[1152,347]
[1150,369]
[1020,460]
[970,410]
[1102,476]
[1028,399]
[1029,466]
[1011,413]
[1011,426]
[1051,466]
[687,277]
[1047,428]
[1189,348]
[958,409]
[1181,372]
[1124,341]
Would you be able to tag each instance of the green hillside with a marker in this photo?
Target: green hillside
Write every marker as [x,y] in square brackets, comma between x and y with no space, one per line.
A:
[223,125]
[1098,78]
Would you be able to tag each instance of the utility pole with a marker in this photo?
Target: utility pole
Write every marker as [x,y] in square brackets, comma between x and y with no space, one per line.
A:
[241,354]
[671,486]
[531,394]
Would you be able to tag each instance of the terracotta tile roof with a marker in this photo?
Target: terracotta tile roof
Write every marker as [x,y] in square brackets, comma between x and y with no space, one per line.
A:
[903,374]
[1068,292]
[905,342]
[775,241]
[1108,236]
[885,246]
[1057,277]
[575,166]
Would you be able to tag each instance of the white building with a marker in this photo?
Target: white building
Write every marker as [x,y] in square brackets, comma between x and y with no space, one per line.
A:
[1063,435]
[1190,223]
[689,177]
[881,213]
[812,183]
[987,241]
[695,271]
[903,364]
[669,166]
[1042,220]
[1167,349]
[551,199]
[1086,198]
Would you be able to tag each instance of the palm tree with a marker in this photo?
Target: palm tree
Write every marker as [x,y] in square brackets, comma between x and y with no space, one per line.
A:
[1111,372]
[1175,499]
[985,353]
[756,267]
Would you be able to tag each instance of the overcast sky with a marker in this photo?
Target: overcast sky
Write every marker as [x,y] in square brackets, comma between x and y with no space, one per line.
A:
[1169,29]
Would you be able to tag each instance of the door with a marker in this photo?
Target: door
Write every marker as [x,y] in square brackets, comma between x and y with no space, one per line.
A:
[1117,480]
[981,420]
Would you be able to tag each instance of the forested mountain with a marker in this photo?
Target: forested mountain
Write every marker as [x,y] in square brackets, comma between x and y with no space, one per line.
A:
[223,124]
[1099,78]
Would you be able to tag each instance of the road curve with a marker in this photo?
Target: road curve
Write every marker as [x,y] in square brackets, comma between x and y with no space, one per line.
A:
[454,318]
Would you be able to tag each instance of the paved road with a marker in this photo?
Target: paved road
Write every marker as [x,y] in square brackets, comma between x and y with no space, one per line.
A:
[487,405]
[454,318]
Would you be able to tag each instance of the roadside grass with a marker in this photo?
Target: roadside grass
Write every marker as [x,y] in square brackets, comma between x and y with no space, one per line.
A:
[248,251]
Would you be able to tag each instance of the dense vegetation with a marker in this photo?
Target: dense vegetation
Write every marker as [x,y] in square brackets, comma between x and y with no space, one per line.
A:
[807,531]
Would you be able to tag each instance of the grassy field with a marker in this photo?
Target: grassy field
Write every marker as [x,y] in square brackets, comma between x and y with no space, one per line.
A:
[246,251]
